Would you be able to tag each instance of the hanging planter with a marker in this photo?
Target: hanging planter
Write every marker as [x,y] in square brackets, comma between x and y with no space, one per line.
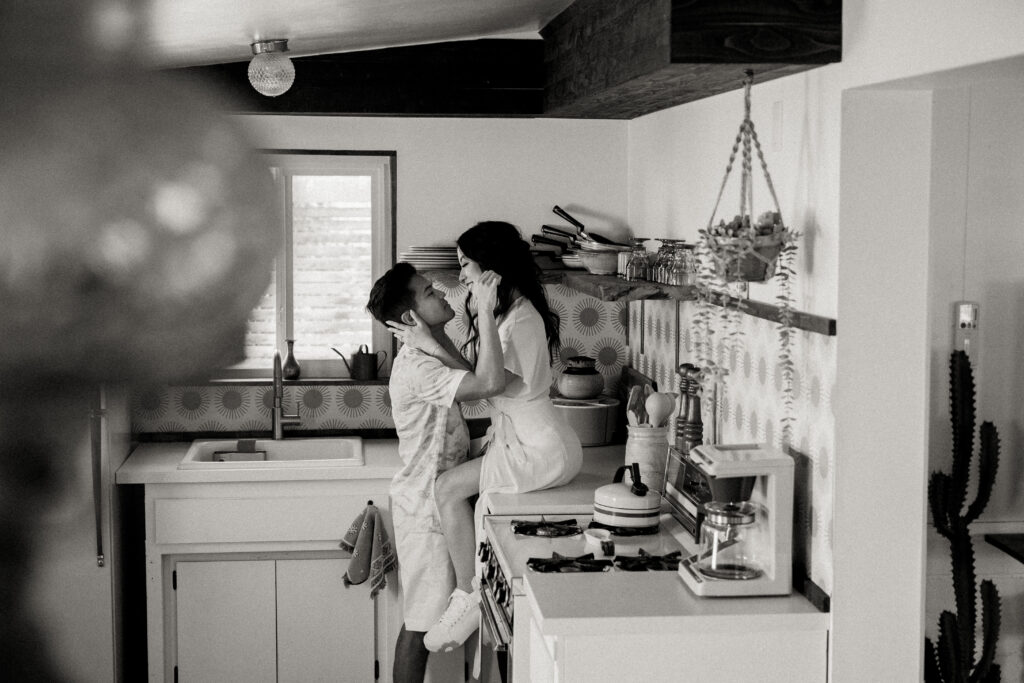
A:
[742,253]
[745,250]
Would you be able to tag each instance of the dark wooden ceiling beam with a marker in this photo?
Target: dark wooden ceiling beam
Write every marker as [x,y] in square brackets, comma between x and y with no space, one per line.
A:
[620,60]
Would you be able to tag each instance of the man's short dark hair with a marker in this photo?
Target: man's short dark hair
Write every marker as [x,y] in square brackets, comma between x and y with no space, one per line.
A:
[391,296]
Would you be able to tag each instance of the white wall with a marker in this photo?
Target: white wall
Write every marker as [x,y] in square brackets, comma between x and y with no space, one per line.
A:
[454,172]
[993,275]
[882,390]
[678,157]
[676,162]
[978,223]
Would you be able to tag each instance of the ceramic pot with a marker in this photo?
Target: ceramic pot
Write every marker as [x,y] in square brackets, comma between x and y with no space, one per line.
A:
[580,380]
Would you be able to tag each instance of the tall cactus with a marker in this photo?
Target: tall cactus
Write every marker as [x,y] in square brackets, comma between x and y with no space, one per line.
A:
[952,659]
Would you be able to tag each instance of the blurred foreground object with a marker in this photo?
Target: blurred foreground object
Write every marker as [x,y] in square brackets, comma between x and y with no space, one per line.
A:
[136,234]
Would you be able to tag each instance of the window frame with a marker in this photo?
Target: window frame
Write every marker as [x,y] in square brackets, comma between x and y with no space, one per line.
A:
[381,166]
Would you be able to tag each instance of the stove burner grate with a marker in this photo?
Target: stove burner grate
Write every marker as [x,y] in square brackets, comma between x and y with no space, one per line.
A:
[625,530]
[546,528]
[647,562]
[565,565]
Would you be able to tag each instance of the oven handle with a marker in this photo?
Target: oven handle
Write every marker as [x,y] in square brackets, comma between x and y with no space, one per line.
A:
[489,621]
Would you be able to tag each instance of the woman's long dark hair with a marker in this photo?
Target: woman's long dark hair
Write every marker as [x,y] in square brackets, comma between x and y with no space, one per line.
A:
[498,246]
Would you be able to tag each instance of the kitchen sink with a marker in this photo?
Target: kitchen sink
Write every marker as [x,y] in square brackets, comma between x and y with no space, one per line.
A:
[346,451]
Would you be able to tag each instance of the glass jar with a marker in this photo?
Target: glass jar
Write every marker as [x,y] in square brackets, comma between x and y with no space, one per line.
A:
[731,542]
[682,269]
[638,263]
[662,262]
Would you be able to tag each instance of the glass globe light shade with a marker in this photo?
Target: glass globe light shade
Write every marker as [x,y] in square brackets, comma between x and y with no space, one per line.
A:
[271,73]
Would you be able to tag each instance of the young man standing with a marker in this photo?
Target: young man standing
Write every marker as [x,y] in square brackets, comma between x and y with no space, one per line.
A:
[432,437]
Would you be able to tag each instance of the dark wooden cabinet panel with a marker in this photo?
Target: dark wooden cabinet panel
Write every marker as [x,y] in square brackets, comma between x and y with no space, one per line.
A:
[611,59]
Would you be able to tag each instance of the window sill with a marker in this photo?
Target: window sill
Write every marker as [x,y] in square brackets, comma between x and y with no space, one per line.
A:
[304,381]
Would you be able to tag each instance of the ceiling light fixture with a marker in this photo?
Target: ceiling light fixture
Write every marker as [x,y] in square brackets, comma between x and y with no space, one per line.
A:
[271,72]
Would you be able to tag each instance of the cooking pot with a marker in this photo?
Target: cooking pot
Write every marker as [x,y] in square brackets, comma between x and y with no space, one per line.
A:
[580,379]
[625,506]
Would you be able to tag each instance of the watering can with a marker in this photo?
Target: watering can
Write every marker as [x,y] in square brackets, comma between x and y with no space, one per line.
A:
[364,364]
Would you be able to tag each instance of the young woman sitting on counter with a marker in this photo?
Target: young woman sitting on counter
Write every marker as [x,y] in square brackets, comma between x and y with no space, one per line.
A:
[528,446]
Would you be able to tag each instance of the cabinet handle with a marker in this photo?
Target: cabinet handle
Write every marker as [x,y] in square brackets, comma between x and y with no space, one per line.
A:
[96,417]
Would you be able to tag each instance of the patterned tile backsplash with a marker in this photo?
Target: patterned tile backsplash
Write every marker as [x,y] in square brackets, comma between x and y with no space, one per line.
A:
[589,327]
[661,338]
[653,337]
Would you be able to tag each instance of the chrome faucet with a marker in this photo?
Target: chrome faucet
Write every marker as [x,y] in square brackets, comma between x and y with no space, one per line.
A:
[279,418]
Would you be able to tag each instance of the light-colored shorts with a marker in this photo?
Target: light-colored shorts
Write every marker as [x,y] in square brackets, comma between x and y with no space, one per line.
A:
[425,574]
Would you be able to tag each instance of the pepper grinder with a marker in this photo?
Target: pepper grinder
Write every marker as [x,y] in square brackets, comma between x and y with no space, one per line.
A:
[689,427]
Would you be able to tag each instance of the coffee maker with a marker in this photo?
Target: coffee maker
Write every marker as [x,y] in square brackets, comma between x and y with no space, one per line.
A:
[746,530]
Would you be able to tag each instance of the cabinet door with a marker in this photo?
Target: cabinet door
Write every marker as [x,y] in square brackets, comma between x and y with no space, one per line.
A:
[225,621]
[325,632]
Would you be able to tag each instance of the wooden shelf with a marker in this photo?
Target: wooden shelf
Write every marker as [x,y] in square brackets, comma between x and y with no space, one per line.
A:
[611,288]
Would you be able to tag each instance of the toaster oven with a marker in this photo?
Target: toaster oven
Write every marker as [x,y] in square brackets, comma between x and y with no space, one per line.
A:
[687,489]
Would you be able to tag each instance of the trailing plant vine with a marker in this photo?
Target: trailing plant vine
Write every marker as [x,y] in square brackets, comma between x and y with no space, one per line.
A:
[785,273]
[744,250]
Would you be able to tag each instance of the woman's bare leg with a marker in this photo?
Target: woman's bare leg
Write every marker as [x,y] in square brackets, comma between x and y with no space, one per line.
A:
[452,490]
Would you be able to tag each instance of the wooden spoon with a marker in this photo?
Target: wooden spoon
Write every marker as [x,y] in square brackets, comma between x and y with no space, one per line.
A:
[659,406]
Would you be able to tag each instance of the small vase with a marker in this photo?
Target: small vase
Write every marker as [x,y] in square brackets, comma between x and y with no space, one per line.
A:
[290,369]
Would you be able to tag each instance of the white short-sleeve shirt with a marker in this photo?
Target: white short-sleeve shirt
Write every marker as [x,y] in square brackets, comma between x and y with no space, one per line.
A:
[432,437]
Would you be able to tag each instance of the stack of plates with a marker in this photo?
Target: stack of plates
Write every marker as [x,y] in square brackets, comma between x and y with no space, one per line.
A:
[431,258]
[599,247]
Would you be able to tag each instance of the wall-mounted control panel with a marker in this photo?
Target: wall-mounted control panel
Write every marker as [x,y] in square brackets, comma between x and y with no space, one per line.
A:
[965,325]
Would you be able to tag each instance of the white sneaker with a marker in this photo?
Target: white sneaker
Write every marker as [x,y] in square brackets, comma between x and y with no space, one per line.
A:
[460,619]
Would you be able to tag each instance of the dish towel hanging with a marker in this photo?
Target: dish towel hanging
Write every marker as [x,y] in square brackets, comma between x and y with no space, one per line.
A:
[372,554]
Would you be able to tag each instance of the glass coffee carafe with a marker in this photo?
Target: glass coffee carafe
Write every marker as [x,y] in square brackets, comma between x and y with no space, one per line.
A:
[732,542]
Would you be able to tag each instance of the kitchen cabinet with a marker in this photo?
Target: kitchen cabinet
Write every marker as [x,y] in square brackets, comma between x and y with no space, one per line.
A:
[244,582]
[271,620]
[237,541]
[647,626]
[225,621]
[766,657]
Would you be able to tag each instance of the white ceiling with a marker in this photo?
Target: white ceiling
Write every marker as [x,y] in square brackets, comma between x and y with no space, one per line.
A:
[197,32]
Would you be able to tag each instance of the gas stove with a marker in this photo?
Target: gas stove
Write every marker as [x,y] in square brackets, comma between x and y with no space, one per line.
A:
[519,544]
[507,555]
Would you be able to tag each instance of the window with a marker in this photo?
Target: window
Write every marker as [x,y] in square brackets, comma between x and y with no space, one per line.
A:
[337,237]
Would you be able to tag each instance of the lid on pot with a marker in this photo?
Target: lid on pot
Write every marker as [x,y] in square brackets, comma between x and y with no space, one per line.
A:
[733,514]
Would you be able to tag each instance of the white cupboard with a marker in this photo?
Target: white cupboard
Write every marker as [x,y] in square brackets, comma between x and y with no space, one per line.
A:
[225,616]
[244,583]
[287,620]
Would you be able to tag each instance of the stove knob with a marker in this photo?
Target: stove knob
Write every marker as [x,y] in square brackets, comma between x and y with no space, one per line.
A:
[490,571]
[485,552]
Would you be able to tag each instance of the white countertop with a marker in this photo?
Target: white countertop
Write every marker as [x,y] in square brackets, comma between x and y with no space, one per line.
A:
[654,602]
[157,463]
[576,497]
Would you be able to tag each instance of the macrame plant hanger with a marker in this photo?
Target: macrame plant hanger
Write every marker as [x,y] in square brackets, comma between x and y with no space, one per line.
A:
[764,248]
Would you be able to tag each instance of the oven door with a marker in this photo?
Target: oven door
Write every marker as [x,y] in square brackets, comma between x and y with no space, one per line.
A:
[496,635]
